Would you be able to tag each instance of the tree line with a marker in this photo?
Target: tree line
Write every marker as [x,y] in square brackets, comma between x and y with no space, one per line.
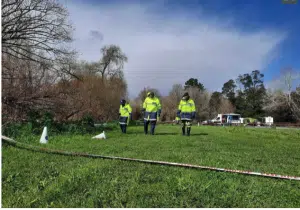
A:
[246,95]
[42,73]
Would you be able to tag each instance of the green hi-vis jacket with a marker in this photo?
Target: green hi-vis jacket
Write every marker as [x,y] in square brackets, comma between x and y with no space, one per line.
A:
[125,111]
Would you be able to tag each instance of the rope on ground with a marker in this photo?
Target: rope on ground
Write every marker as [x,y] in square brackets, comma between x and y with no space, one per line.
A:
[62,152]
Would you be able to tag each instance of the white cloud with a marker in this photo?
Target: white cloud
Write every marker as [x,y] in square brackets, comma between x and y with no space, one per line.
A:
[164,51]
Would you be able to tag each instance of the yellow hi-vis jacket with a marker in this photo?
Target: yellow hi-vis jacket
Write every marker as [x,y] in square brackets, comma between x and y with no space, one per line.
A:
[152,108]
[125,112]
[186,110]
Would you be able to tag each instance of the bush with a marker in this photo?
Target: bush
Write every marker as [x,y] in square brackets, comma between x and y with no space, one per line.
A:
[37,121]
[11,129]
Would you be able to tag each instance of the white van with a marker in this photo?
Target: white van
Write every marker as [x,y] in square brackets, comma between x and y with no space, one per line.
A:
[227,118]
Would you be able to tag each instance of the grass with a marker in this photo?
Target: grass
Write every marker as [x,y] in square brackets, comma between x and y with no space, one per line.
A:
[32,179]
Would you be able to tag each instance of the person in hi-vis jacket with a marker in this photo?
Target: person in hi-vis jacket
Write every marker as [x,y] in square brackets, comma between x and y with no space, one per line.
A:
[186,112]
[125,113]
[152,111]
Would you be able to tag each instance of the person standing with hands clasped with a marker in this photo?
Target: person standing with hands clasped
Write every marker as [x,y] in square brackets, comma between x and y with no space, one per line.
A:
[186,112]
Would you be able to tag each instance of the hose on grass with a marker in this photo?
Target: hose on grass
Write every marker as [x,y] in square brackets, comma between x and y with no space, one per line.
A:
[79,154]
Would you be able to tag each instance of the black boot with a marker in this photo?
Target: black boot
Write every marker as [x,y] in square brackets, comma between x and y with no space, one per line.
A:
[146,127]
[121,126]
[125,127]
[188,131]
[183,131]
[152,127]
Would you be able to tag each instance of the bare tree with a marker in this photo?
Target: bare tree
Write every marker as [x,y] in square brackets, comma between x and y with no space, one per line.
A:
[201,99]
[112,62]
[176,93]
[226,106]
[136,109]
[35,30]
[30,86]
[290,76]
[282,97]
[26,86]
[170,103]
[86,68]
[143,94]
[91,97]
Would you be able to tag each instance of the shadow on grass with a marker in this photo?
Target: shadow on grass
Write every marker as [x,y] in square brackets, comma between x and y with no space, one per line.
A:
[164,134]
[167,134]
[199,134]
[177,134]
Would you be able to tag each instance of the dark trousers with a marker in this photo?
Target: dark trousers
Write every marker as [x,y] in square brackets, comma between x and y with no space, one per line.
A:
[123,128]
[146,123]
[186,124]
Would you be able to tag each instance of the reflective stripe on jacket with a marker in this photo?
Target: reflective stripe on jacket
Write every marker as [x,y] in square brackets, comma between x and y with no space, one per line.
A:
[186,109]
[151,116]
[123,120]
[152,108]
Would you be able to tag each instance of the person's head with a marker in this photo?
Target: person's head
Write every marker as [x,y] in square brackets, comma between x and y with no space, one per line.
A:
[186,96]
[150,94]
[123,102]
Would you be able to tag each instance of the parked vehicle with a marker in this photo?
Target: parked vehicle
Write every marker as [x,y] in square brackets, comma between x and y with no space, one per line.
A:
[230,118]
[262,121]
[268,121]
[236,119]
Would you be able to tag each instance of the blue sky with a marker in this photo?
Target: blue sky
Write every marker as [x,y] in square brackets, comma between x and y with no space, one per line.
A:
[267,28]
[251,15]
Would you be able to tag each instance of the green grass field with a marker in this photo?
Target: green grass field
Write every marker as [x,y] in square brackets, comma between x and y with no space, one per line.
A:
[32,179]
